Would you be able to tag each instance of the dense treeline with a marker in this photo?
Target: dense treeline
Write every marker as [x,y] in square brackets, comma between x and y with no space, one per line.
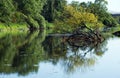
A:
[65,17]
[30,12]
[53,9]
[22,11]
[92,14]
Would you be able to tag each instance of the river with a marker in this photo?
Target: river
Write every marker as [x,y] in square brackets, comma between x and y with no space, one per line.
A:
[40,55]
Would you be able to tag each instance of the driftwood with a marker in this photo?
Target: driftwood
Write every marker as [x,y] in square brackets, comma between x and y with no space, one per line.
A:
[80,37]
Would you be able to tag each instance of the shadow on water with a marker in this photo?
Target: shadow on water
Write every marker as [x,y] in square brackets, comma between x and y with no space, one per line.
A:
[22,53]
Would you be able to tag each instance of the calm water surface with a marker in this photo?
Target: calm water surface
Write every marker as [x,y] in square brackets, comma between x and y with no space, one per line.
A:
[38,55]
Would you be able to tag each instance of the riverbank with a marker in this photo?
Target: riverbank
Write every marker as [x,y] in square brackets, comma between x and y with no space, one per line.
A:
[13,27]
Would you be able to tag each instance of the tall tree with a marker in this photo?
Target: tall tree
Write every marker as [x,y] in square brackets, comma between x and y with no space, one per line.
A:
[6,10]
[52,9]
[31,10]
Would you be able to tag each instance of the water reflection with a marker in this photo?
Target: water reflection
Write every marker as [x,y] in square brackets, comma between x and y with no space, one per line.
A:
[73,57]
[22,53]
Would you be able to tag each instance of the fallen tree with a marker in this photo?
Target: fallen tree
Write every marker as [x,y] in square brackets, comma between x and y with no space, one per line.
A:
[86,35]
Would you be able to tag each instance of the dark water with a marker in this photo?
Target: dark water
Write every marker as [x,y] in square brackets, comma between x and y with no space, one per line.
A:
[38,55]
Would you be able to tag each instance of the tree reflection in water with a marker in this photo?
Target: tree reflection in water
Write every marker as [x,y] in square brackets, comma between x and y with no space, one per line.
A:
[23,52]
[70,56]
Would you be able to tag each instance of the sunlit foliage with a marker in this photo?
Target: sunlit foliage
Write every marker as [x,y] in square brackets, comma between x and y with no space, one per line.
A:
[74,18]
[99,8]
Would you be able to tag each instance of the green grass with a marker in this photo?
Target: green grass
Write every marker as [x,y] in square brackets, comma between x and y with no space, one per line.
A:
[13,27]
[49,25]
[14,33]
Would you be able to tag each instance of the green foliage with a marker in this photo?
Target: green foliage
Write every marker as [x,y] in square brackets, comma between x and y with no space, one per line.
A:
[93,14]
[111,22]
[22,11]
[41,21]
[53,9]
[32,23]
[18,17]
[32,10]
[117,18]
[62,27]
[13,27]
[7,9]
[100,10]
[73,18]
[35,12]
[30,6]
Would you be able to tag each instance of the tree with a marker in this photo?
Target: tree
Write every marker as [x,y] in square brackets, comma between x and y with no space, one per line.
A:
[99,9]
[73,19]
[53,9]
[7,9]
[31,10]
[27,11]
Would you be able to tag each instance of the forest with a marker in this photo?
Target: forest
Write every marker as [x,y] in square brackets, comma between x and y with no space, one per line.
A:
[57,15]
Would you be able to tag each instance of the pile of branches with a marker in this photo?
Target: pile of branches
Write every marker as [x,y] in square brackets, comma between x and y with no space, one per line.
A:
[81,37]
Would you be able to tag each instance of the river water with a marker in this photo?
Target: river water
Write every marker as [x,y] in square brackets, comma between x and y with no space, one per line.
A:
[39,55]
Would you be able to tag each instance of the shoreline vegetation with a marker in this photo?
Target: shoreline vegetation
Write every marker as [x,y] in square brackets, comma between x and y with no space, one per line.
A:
[57,16]
[13,27]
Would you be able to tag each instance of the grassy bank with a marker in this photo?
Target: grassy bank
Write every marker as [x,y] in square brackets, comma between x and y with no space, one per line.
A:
[12,27]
